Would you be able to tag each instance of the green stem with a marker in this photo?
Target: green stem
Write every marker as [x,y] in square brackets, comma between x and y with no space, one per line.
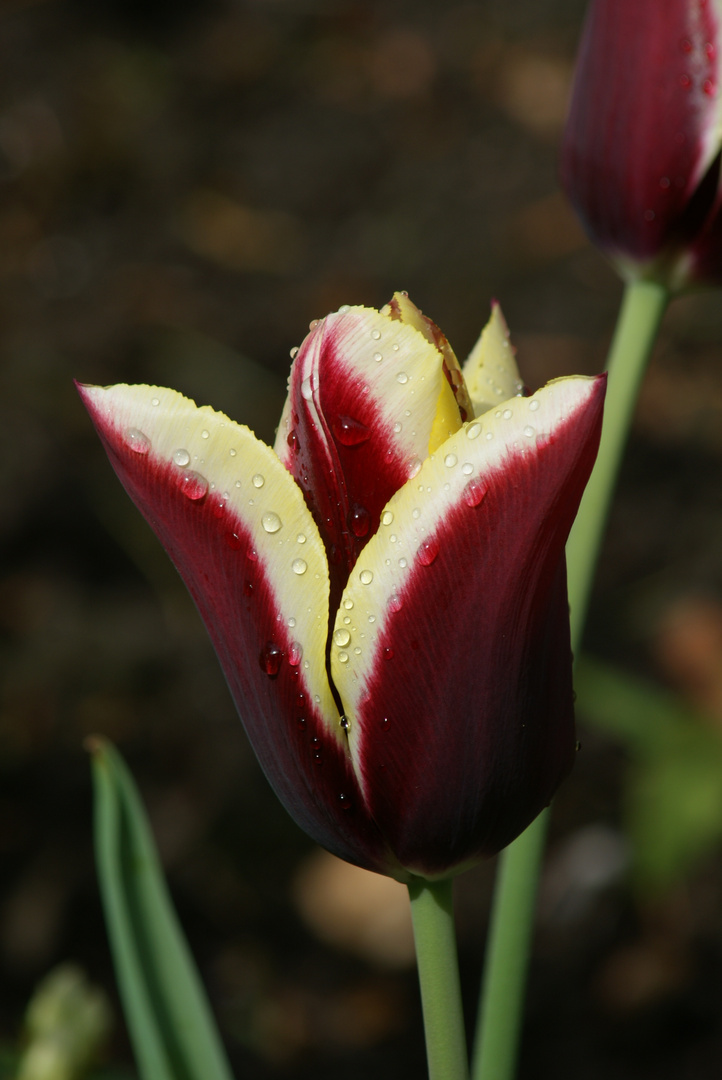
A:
[433,917]
[510,932]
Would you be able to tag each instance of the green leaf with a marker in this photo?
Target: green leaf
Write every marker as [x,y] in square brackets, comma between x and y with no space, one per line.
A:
[168,1016]
[673,788]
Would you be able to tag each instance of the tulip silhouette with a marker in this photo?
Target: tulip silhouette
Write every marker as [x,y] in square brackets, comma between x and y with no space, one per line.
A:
[641,149]
[386,588]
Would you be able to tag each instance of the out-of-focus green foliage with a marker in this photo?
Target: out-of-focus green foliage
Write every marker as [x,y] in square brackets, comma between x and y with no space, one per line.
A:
[66,1022]
[674,783]
[169,1020]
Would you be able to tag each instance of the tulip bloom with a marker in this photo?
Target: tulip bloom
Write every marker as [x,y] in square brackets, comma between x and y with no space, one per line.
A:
[386,588]
[641,150]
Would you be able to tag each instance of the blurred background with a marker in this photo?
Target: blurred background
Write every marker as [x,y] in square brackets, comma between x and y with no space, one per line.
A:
[183,187]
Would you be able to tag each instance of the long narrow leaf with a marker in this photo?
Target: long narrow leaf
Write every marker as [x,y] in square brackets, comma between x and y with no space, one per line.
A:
[168,1017]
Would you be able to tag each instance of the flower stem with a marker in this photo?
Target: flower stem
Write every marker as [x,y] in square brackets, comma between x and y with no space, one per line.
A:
[510,931]
[433,918]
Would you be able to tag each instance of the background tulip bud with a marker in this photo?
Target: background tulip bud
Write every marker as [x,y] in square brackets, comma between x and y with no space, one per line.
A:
[641,149]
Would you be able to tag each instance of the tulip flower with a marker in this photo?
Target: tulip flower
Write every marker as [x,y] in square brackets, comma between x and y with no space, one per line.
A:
[641,150]
[386,588]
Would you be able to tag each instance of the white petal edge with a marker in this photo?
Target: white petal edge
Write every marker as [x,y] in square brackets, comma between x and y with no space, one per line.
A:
[490,370]
[411,519]
[247,477]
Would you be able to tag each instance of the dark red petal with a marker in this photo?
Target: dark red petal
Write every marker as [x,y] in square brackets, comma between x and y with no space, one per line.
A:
[363,398]
[451,649]
[239,532]
[643,122]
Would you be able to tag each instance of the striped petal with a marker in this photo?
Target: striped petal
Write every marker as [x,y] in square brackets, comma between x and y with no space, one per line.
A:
[640,156]
[451,645]
[367,393]
[239,531]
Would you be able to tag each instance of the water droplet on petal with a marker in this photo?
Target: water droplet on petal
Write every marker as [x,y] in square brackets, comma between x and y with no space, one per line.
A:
[450,460]
[534,404]
[366,577]
[294,352]
[388,653]
[341,637]
[378,357]
[402,378]
[205,434]
[138,442]
[359,521]
[427,552]
[397,428]
[416,513]
[528,431]
[395,604]
[258,481]
[387,517]
[271,522]
[299,566]
[414,467]
[295,653]
[181,458]
[350,432]
[155,401]
[507,414]
[345,801]
[193,485]
[234,541]
[270,659]
[301,538]
[467,468]
[473,431]
[343,658]
[348,604]
[474,493]
[376,335]
[306,389]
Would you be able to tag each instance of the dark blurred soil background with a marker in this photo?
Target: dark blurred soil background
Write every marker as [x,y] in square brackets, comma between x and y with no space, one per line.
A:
[183,187]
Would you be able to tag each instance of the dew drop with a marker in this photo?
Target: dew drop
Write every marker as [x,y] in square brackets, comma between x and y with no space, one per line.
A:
[428,551]
[507,414]
[306,389]
[234,541]
[397,428]
[155,401]
[473,431]
[270,659]
[372,618]
[252,554]
[403,563]
[295,653]
[467,468]
[474,493]
[366,577]
[181,458]
[301,538]
[414,467]
[395,604]
[416,513]
[341,637]
[292,622]
[388,654]
[271,522]
[258,481]
[402,378]
[343,722]
[345,801]
[294,352]
[138,442]
[299,566]
[344,308]
[489,435]
[359,521]
[350,432]
[528,431]
[193,485]
[343,658]
[376,335]
[387,517]
[348,604]
[534,404]
[378,357]
[248,588]
[450,460]
[205,434]
[301,722]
